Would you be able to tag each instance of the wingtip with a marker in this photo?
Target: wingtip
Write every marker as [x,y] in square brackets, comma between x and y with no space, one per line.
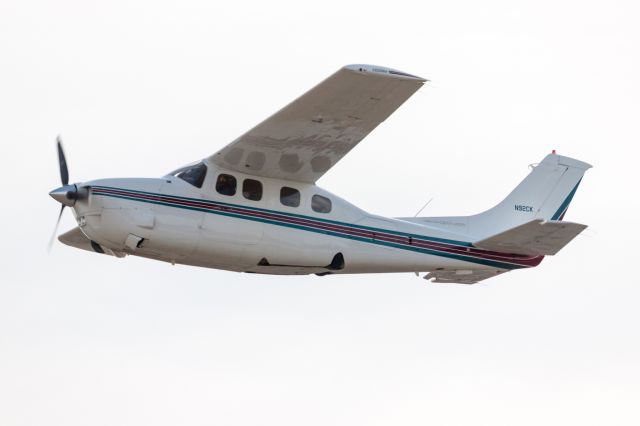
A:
[380,70]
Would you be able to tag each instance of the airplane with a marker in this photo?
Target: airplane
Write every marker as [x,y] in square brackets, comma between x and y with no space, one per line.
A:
[254,205]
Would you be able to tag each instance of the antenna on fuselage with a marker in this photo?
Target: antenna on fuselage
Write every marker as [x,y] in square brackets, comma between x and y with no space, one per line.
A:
[423,207]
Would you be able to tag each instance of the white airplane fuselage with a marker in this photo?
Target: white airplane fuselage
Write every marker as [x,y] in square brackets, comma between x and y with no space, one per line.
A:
[171,220]
[253,205]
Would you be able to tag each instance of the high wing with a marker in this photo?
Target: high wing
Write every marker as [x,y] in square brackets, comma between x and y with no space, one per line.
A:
[310,135]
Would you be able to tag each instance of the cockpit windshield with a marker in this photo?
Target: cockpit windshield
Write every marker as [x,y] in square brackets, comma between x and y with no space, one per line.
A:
[193,174]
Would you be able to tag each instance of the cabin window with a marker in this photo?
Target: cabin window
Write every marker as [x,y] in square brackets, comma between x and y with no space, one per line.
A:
[252,189]
[289,196]
[193,174]
[320,204]
[226,184]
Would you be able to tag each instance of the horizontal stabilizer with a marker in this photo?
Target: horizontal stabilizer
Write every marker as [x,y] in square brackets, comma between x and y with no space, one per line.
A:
[461,276]
[537,237]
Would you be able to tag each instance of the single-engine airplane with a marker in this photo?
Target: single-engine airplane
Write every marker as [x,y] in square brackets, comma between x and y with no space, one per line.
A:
[254,206]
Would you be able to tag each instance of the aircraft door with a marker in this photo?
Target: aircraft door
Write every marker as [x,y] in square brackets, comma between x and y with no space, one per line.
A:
[231,227]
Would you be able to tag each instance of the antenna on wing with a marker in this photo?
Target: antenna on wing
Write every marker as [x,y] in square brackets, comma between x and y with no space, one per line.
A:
[423,207]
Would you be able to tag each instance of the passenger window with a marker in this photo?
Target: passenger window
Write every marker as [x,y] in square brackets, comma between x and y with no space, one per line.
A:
[226,184]
[289,196]
[320,204]
[192,174]
[252,189]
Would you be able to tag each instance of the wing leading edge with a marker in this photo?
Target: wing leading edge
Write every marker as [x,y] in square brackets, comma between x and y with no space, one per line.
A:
[311,134]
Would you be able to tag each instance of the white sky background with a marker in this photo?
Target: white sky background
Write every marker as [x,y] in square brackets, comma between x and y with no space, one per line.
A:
[139,88]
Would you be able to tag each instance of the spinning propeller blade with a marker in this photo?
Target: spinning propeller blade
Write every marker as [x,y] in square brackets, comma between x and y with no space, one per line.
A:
[62,162]
[55,230]
[64,177]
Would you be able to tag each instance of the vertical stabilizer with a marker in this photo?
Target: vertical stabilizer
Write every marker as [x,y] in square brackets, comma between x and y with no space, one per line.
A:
[544,194]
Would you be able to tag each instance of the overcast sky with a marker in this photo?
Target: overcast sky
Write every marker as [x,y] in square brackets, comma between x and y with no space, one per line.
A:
[139,88]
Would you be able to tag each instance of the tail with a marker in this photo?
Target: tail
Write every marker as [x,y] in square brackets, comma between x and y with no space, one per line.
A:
[544,195]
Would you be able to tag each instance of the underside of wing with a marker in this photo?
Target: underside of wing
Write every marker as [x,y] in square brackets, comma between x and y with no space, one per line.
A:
[310,135]
[538,237]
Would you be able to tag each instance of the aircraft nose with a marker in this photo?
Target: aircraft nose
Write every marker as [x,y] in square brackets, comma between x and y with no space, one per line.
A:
[66,195]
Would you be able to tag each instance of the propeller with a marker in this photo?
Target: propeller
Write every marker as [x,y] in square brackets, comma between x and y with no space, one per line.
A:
[66,194]
[62,162]
[55,230]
